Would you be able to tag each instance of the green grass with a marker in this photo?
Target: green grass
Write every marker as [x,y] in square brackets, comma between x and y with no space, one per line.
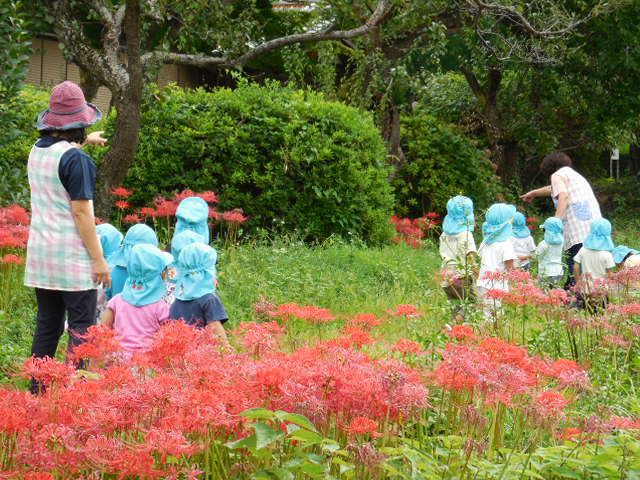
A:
[347,279]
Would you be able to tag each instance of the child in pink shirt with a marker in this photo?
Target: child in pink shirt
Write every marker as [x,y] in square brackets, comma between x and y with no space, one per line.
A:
[138,312]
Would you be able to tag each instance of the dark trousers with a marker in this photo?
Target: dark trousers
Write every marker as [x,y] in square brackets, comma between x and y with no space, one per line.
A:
[571,253]
[80,308]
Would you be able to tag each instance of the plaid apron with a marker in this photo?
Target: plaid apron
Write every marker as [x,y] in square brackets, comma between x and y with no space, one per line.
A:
[56,256]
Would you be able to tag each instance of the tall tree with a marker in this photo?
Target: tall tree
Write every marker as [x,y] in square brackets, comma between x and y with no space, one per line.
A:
[144,29]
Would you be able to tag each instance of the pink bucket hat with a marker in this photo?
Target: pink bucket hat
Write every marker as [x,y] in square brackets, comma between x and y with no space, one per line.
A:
[67,109]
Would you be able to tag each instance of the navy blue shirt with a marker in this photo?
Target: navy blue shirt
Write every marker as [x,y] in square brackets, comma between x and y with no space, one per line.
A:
[76,170]
[199,312]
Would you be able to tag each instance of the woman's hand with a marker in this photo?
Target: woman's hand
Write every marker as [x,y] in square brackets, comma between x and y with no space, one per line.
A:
[528,197]
[96,138]
[101,272]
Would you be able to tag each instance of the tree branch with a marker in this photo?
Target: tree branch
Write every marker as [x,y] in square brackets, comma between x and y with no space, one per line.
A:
[202,61]
[512,15]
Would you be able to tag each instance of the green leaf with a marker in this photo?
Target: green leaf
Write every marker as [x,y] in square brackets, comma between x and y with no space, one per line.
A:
[296,419]
[247,442]
[305,436]
[258,414]
[265,435]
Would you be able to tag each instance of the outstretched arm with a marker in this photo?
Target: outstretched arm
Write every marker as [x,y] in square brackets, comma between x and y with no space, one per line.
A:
[538,192]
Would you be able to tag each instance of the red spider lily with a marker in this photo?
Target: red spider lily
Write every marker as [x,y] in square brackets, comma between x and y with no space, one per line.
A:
[363,426]
[533,220]
[569,434]
[616,341]
[13,236]
[285,311]
[624,423]
[264,308]
[178,197]
[168,442]
[164,207]
[550,404]
[214,214]
[122,204]
[406,310]
[234,216]
[147,212]
[461,332]
[98,220]
[14,214]
[208,196]
[405,346]
[47,370]
[432,215]
[131,219]
[628,310]
[355,337]
[121,192]
[99,343]
[259,338]
[11,259]
[315,315]
[366,320]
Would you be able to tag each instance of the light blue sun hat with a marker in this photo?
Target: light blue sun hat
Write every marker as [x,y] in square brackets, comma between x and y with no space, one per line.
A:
[110,239]
[621,252]
[553,231]
[181,240]
[144,284]
[519,227]
[137,234]
[196,271]
[193,214]
[459,216]
[497,225]
[600,236]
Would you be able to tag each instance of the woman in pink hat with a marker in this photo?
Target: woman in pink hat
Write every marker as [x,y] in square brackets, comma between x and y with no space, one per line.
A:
[64,257]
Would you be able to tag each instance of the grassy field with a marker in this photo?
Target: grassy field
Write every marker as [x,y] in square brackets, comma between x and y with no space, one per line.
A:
[465,432]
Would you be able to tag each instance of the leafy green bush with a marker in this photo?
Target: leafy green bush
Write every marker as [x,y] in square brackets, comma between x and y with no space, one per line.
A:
[14,187]
[290,159]
[440,163]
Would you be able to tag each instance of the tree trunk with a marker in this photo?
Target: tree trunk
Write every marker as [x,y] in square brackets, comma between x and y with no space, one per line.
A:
[508,166]
[124,143]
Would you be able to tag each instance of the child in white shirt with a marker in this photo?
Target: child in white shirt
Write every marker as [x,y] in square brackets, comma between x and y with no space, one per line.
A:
[496,254]
[593,261]
[523,244]
[549,252]
[457,251]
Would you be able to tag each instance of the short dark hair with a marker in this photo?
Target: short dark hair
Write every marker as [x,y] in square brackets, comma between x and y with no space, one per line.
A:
[554,162]
[77,135]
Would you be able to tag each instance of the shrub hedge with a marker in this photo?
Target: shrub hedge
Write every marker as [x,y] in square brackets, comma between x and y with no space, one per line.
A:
[440,163]
[14,187]
[291,159]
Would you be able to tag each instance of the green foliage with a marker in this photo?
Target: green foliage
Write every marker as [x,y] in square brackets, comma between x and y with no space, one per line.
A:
[14,187]
[440,163]
[289,158]
[14,58]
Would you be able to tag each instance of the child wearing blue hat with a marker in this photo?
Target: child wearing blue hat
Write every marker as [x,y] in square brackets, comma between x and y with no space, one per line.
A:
[178,242]
[137,234]
[626,257]
[196,302]
[594,260]
[522,241]
[457,251]
[110,239]
[496,252]
[193,214]
[139,311]
[549,252]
